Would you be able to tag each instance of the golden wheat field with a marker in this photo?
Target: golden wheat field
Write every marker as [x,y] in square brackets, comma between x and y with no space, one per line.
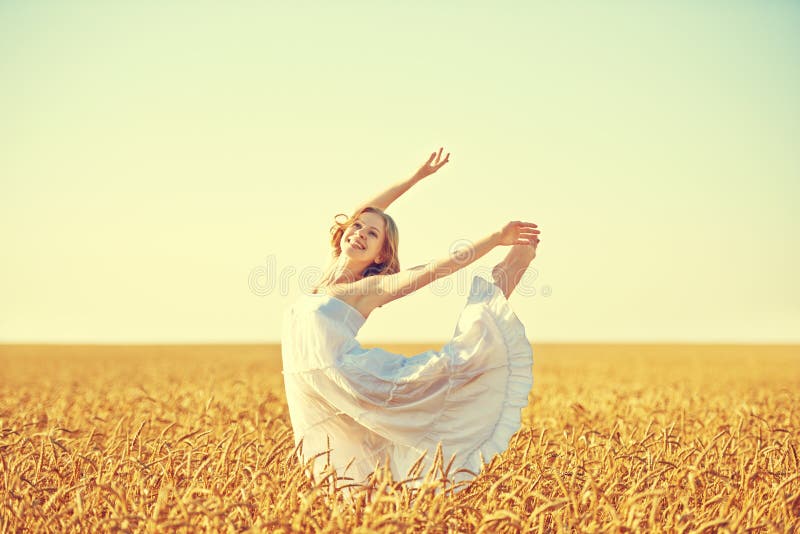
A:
[617,438]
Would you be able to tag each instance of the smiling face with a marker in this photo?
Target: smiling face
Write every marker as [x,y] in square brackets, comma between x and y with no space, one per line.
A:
[363,244]
[363,240]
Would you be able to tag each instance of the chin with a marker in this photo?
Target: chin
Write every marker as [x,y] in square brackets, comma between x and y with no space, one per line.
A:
[351,252]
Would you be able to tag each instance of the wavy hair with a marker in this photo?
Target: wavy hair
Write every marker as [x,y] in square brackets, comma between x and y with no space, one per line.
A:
[389,251]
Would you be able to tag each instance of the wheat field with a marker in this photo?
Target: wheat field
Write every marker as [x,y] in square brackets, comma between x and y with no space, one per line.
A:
[617,438]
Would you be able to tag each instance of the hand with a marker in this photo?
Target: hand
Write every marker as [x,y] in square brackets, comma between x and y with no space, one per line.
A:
[519,233]
[434,163]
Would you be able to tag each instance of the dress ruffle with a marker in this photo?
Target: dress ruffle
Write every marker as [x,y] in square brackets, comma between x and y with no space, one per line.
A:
[517,366]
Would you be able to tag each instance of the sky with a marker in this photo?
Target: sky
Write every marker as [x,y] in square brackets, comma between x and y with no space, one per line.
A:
[169,170]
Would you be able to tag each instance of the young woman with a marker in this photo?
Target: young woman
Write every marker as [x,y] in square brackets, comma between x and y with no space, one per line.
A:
[357,409]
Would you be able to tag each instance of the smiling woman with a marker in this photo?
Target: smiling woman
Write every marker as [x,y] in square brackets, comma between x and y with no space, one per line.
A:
[354,410]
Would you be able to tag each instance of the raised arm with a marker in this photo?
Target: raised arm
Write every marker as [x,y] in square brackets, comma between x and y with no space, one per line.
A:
[384,199]
[386,288]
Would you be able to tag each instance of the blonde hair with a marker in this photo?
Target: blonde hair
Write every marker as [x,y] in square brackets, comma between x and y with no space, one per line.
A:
[389,252]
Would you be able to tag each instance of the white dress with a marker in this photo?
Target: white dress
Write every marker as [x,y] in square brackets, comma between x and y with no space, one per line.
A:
[359,408]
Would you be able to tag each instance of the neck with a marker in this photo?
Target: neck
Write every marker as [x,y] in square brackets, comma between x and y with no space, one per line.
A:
[346,273]
[342,271]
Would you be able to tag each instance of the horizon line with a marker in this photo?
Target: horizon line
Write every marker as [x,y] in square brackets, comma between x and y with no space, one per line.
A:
[423,342]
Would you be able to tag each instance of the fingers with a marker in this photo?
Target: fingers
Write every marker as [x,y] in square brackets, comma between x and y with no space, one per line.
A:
[445,160]
[525,226]
[528,233]
[436,161]
[527,241]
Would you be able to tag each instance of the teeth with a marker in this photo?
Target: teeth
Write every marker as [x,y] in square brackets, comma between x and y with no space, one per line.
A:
[356,244]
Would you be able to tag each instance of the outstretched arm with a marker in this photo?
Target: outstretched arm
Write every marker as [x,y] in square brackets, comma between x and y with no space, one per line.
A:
[386,288]
[383,200]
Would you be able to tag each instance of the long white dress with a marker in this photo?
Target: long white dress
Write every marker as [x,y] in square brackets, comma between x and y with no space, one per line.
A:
[359,408]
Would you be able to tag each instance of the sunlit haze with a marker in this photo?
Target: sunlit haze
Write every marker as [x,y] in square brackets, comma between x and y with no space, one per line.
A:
[169,173]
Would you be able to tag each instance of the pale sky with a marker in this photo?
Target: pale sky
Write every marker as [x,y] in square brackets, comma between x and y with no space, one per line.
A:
[155,157]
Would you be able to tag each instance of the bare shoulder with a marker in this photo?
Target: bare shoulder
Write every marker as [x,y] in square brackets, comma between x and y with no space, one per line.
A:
[374,291]
[361,295]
